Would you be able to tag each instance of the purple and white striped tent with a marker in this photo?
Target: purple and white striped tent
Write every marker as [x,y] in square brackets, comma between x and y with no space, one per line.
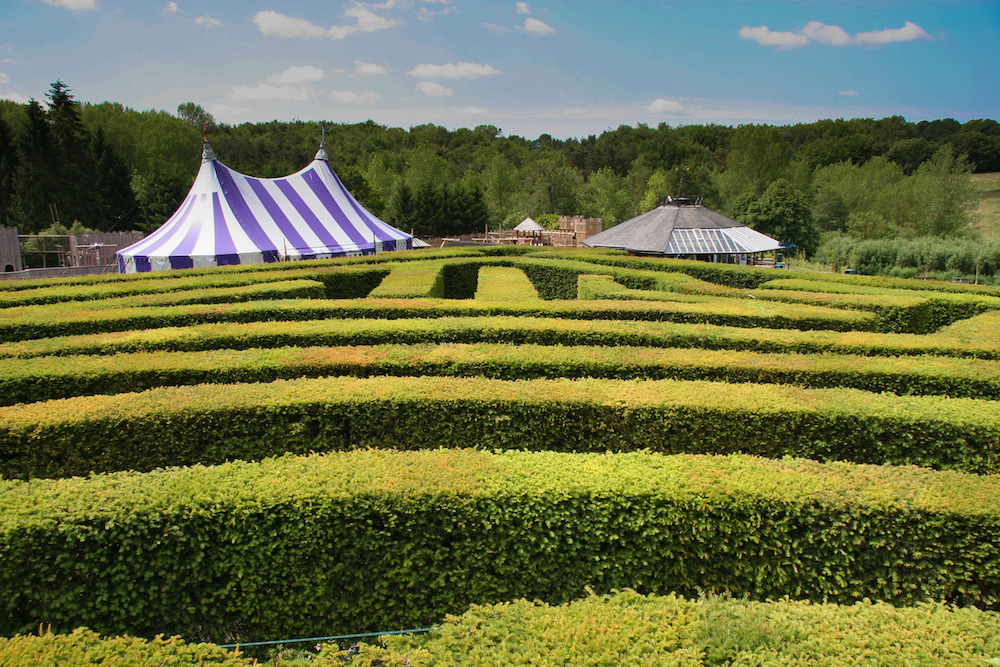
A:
[228,218]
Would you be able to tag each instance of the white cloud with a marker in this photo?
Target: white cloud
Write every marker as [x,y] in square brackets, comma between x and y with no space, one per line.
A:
[522,8]
[350,97]
[171,8]
[848,93]
[75,5]
[470,111]
[14,97]
[909,32]
[269,91]
[451,71]
[297,75]
[369,21]
[662,105]
[4,78]
[767,37]
[208,22]
[364,68]
[822,33]
[273,23]
[434,89]
[818,32]
[537,27]
[428,14]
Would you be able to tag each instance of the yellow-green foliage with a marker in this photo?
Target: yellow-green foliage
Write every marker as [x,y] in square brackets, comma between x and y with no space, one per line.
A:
[375,539]
[412,279]
[27,322]
[628,628]
[83,648]
[606,287]
[506,329]
[43,378]
[212,423]
[500,283]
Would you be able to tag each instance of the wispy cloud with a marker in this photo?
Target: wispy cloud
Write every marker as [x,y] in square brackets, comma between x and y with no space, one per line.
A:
[75,5]
[208,22]
[4,78]
[662,105]
[292,85]
[268,91]
[817,32]
[366,69]
[431,9]
[536,27]
[171,8]
[350,97]
[297,75]
[14,97]
[848,93]
[531,25]
[452,71]
[366,20]
[434,89]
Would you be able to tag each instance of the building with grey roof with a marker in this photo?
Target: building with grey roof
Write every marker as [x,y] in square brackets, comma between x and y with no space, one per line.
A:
[682,227]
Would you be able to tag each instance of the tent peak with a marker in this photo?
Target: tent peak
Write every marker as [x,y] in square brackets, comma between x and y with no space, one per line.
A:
[321,153]
[207,154]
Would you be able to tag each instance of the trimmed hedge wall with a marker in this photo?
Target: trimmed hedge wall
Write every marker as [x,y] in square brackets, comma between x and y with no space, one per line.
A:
[45,378]
[632,629]
[974,340]
[623,628]
[304,546]
[85,648]
[214,423]
[30,322]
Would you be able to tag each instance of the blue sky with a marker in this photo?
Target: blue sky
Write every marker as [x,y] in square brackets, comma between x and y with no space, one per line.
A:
[569,68]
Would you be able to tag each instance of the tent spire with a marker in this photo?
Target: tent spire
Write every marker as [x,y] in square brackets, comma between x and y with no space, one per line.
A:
[321,153]
[207,155]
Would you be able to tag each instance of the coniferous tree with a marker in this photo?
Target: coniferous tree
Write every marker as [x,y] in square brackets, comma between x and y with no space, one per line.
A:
[8,167]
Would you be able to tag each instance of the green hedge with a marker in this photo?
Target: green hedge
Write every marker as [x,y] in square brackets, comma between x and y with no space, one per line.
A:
[340,283]
[84,648]
[46,378]
[632,629]
[307,546]
[974,340]
[623,628]
[30,322]
[213,423]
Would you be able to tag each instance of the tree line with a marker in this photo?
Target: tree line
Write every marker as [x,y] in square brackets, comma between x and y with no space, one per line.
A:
[107,167]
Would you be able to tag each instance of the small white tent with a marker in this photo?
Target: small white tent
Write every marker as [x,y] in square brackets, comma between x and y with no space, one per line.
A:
[229,218]
[529,225]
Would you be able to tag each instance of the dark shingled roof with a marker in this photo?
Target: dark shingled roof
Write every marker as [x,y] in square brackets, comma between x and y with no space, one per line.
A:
[681,228]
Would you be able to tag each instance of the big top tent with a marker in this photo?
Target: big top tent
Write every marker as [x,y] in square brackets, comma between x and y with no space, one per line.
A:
[229,218]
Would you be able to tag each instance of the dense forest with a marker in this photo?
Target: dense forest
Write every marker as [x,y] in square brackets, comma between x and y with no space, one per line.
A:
[108,167]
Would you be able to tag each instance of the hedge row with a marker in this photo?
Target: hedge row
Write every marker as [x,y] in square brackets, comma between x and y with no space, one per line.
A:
[623,628]
[369,540]
[31,322]
[945,307]
[339,282]
[627,628]
[86,648]
[46,378]
[214,423]
[955,342]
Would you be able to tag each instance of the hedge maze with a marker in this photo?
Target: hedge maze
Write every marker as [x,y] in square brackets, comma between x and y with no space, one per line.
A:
[374,443]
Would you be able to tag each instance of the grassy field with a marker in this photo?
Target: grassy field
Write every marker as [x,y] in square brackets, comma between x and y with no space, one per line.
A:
[989,207]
